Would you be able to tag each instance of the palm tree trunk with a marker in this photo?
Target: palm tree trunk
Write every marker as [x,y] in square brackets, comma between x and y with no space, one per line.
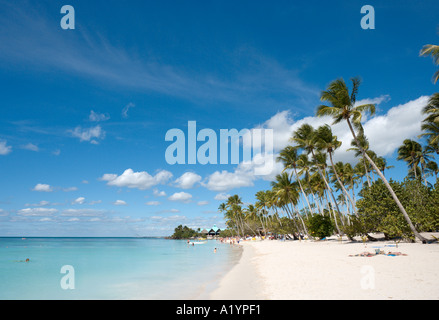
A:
[331,208]
[303,192]
[394,196]
[341,184]
[329,189]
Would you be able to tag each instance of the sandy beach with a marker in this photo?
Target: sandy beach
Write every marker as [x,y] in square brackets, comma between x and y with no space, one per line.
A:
[294,270]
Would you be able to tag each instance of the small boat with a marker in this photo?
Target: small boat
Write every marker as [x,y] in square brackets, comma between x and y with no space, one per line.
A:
[199,242]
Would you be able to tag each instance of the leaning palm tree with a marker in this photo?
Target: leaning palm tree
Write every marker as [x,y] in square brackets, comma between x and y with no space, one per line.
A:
[305,138]
[363,145]
[343,107]
[433,50]
[289,157]
[326,141]
[263,202]
[288,195]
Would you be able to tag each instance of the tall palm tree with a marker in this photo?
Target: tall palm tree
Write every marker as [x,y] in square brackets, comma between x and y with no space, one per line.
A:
[289,157]
[287,194]
[305,138]
[433,50]
[234,204]
[328,142]
[250,214]
[343,107]
[263,199]
[363,144]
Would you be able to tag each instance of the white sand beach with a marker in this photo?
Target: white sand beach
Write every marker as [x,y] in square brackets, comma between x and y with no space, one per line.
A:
[293,270]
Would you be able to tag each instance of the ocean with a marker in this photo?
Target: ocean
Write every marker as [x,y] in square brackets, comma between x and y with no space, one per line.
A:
[111,268]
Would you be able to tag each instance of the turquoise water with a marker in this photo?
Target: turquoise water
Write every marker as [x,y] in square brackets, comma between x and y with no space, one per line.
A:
[111,268]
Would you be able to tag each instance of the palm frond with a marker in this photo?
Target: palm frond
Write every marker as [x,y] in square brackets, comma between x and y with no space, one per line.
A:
[355,84]
[366,108]
[431,49]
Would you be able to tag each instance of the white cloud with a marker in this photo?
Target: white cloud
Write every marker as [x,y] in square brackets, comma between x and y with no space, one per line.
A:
[158,193]
[36,212]
[31,147]
[385,132]
[42,203]
[140,180]
[81,213]
[225,180]
[244,174]
[88,134]
[187,180]
[376,101]
[222,196]
[41,187]
[153,203]
[126,108]
[94,116]
[119,203]
[181,196]
[202,203]
[70,189]
[4,149]
[79,200]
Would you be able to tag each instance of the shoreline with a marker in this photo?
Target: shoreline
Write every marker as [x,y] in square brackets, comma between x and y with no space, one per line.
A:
[327,270]
[242,282]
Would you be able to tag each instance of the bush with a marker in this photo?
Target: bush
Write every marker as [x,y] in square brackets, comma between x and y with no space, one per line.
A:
[320,226]
[378,211]
[183,233]
[354,228]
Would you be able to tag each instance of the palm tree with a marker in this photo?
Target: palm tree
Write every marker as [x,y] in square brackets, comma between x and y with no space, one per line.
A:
[289,158]
[382,164]
[305,138]
[250,213]
[363,145]
[409,152]
[343,107]
[235,211]
[328,142]
[432,109]
[430,125]
[432,168]
[262,204]
[287,194]
[433,50]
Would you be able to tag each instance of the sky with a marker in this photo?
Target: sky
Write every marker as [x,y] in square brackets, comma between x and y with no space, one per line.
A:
[85,111]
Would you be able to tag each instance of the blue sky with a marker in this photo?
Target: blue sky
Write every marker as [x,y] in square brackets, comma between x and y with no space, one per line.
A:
[84,112]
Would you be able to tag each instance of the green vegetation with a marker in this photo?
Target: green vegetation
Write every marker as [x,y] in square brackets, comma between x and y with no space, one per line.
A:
[184,233]
[320,226]
[317,197]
